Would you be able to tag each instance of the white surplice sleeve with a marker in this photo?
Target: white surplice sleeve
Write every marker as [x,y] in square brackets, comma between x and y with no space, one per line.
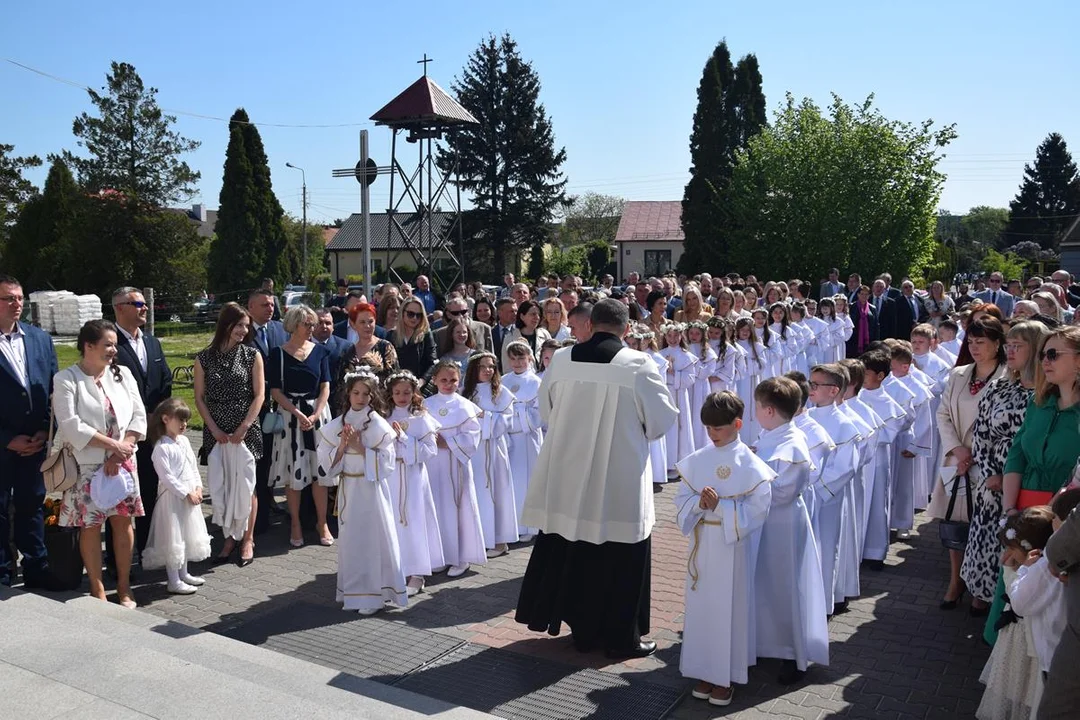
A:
[415,450]
[839,469]
[789,481]
[526,416]
[922,431]
[742,515]
[724,368]
[688,507]
[378,438]
[464,440]
[496,423]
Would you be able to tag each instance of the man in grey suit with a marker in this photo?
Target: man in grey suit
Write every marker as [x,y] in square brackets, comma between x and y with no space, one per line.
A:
[997,295]
[832,286]
[1061,698]
[481,333]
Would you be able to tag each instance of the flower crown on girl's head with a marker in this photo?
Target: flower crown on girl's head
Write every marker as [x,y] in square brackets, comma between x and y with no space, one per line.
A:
[672,327]
[715,321]
[399,375]
[1010,534]
[697,325]
[363,372]
[640,332]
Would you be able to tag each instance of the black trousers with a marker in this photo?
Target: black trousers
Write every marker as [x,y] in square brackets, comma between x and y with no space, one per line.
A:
[22,495]
[600,591]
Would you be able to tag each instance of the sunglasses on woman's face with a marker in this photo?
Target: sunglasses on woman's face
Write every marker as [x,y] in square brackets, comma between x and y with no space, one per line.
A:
[413,315]
[1053,354]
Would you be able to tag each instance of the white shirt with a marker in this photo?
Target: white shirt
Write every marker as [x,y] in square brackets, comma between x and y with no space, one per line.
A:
[137,345]
[13,348]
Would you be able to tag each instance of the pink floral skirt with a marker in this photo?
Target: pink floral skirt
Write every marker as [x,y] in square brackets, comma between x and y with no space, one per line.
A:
[78,510]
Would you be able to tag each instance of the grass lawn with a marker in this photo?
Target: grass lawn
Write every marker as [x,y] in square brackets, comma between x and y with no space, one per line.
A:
[179,353]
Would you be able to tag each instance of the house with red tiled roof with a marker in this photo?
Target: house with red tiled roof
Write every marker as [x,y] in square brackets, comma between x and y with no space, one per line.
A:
[650,237]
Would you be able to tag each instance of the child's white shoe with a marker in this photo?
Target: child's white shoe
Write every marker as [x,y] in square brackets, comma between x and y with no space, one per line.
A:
[182,588]
[370,611]
[416,584]
[193,580]
[457,570]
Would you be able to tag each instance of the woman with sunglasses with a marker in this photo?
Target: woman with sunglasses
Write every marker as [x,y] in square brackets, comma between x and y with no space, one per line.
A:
[413,339]
[1045,449]
[981,361]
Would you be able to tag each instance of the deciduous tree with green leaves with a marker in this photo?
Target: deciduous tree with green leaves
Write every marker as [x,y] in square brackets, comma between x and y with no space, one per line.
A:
[15,190]
[130,144]
[44,242]
[508,163]
[1049,197]
[848,188]
[730,110]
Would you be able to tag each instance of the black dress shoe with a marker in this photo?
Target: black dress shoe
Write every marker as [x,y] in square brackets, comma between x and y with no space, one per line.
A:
[790,673]
[978,612]
[643,649]
[951,604]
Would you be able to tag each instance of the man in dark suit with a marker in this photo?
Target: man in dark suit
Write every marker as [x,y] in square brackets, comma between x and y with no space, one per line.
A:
[884,309]
[858,343]
[27,365]
[909,311]
[890,292]
[341,327]
[481,332]
[142,355]
[268,336]
[338,346]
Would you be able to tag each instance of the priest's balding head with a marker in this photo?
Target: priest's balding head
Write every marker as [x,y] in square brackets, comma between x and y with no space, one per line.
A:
[610,316]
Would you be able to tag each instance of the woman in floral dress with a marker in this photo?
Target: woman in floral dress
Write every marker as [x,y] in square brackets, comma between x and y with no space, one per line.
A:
[100,415]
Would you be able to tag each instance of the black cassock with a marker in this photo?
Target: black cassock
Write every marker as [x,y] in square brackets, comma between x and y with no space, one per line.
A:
[600,591]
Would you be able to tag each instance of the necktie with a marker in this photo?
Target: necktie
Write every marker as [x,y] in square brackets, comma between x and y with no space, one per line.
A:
[262,337]
[914,310]
[993,297]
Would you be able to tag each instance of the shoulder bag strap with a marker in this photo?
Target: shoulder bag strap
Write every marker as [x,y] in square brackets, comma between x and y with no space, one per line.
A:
[952,499]
[967,495]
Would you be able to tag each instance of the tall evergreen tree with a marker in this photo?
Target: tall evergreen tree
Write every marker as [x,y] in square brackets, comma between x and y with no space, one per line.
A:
[509,162]
[1049,197]
[130,144]
[238,252]
[282,260]
[43,242]
[731,110]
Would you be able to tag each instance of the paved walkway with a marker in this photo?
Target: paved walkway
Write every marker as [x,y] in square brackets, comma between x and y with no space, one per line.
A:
[893,654]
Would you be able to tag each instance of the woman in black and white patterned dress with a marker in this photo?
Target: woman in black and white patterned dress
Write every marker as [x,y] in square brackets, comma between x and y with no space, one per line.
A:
[1001,413]
[229,394]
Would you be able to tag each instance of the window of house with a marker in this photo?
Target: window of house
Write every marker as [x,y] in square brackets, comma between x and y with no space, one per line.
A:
[657,262]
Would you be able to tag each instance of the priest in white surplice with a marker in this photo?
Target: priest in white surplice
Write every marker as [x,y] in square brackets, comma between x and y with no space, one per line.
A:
[591,491]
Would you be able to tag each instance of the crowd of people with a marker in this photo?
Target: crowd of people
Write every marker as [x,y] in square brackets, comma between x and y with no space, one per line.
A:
[805,425]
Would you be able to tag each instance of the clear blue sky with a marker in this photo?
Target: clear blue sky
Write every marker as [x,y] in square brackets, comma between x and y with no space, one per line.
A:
[619,78]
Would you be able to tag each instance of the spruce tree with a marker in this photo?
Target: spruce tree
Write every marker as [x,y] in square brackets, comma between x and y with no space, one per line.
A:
[131,145]
[509,162]
[43,242]
[731,110]
[281,260]
[238,253]
[1049,197]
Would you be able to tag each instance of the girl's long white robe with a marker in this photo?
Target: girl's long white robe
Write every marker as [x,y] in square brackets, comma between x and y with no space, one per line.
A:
[491,468]
[718,625]
[847,582]
[917,408]
[451,476]
[790,601]
[658,462]
[834,505]
[706,368]
[725,371]
[840,329]
[745,385]
[369,557]
[526,435]
[410,490]
[820,341]
[788,347]
[680,374]
[773,356]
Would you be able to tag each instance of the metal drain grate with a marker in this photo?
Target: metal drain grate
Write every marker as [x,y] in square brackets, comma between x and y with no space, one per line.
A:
[516,686]
[368,647]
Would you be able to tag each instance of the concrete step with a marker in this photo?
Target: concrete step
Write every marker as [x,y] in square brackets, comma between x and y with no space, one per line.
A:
[96,659]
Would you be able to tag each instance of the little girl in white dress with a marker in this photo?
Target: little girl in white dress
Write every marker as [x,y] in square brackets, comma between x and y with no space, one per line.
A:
[177,530]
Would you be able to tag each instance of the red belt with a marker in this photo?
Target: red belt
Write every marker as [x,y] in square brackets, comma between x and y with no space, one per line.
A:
[1031,498]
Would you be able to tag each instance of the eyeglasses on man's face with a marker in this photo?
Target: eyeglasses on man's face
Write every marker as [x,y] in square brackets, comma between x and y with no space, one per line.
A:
[457,313]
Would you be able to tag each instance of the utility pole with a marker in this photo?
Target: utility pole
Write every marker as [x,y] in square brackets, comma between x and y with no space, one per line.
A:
[304,267]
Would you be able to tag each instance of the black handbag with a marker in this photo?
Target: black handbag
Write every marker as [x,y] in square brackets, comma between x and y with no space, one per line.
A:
[953,533]
[65,560]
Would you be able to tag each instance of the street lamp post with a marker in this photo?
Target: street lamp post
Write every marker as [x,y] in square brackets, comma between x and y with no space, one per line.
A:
[303,178]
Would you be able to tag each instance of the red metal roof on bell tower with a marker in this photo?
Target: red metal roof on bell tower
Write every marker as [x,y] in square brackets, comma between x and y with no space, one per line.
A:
[423,104]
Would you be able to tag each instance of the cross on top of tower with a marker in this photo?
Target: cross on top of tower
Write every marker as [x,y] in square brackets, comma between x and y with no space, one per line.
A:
[425,62]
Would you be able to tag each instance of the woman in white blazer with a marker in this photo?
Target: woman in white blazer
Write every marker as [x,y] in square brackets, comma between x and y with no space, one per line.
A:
[527,329]
[100,416]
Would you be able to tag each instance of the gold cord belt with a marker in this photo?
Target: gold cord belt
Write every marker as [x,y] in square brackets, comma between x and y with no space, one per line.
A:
[691,563]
